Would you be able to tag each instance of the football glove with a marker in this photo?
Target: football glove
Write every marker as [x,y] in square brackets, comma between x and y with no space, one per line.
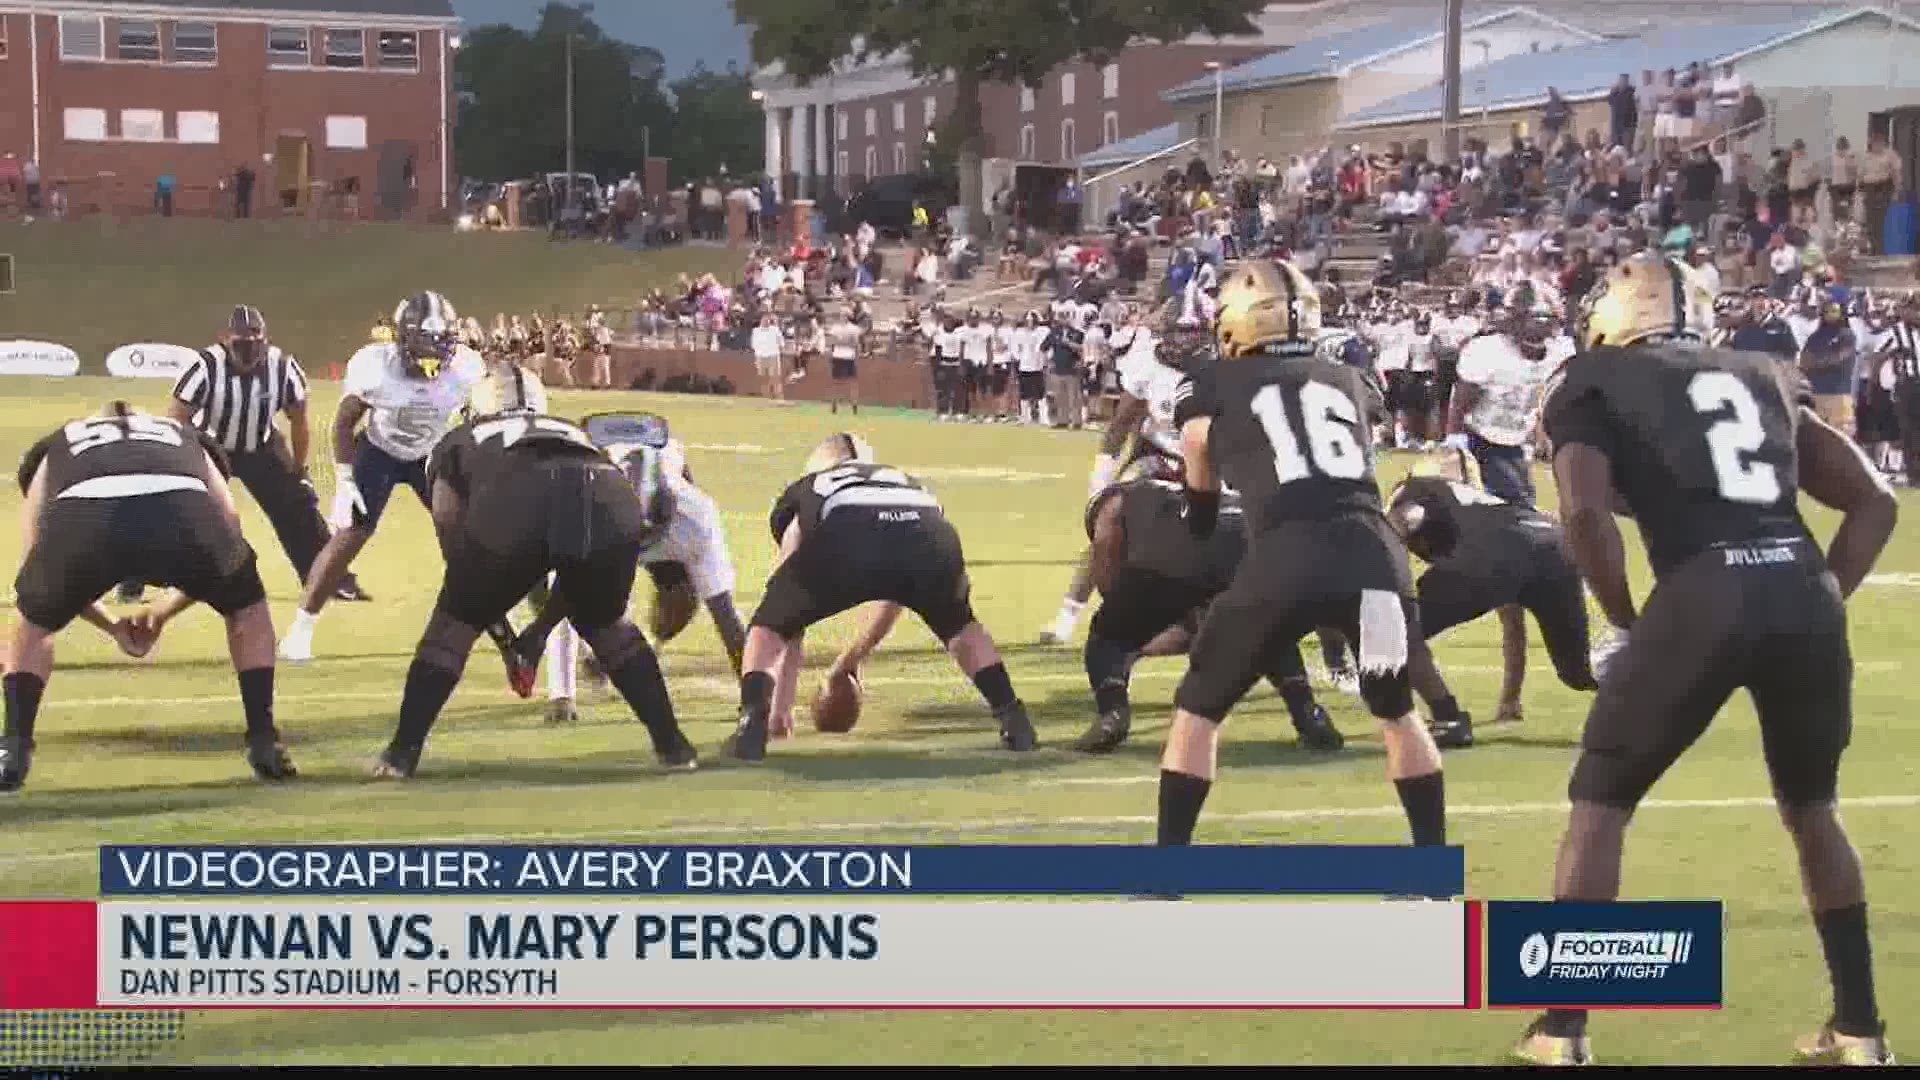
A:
[1606,651]
[348,504]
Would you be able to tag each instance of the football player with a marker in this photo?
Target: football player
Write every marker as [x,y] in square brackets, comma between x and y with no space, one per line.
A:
[1292,434]
[514,497]
[1707,450]
[124,496]
[1485,554]
[852,531]
[1154,574]
[408,391]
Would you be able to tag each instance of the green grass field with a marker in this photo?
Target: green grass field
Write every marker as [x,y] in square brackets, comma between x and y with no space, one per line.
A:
[94,286]
[148,752]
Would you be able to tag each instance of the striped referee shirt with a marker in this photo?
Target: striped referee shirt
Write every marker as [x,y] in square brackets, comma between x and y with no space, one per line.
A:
[1903,341]
[236,409]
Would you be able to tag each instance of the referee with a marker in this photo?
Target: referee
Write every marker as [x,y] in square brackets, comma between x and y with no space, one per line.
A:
[233,393]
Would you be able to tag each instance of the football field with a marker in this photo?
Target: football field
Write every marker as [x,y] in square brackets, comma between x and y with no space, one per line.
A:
[149,752]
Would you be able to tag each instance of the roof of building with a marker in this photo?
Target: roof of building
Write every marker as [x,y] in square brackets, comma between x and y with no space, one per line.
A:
[1145,144]
[1330,55]
[437,10]
[1586,72]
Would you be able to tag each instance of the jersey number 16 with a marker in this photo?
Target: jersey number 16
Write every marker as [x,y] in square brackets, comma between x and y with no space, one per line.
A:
[1329,448]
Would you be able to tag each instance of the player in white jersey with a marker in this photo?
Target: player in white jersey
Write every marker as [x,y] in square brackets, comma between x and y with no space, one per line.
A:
[408,390]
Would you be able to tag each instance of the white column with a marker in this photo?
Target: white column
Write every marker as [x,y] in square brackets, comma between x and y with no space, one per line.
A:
[776,163]
[801,155]
[822,150]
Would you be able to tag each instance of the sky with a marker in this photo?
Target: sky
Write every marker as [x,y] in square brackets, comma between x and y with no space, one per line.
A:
[685,31]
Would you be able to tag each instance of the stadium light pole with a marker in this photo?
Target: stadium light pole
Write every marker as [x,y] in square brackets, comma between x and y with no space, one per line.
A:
[1219,103]
[1450,101]
[573,196]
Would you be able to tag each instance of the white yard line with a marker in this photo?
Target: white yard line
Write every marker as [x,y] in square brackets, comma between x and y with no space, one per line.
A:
[1000,825]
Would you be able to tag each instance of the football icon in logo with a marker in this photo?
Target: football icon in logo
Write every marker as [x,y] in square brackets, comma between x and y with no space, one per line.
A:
[1533,955]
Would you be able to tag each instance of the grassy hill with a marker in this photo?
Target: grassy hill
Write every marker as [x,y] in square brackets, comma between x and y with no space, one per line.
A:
[94,285]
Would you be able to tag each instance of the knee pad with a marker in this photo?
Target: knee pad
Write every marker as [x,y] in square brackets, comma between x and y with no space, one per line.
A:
[1389,696]
[1614,778]
[445,644]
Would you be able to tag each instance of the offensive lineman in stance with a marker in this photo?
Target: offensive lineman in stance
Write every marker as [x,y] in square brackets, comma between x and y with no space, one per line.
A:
[515,496]
[1292,434]
[851,531]
[1706,448]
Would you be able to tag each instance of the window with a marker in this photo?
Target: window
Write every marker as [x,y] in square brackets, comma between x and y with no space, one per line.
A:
[399,50]
[139,39]
[143,125]
[1026,142]
[197,127]
[86,125]
[1066,88]
[899,158]
[1026,99]
[873,120]
[82,37]
[3,39]
[346,49]
[841,123]
[346,133]
[873,161]
[840,163]
[195,43]
[287,46]
[1066,141]
[1203,125]
[899,116]
[1110,129]
[931,109]
[1110,81]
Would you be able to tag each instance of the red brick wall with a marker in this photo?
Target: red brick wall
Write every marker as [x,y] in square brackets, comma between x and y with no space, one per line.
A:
[256,105]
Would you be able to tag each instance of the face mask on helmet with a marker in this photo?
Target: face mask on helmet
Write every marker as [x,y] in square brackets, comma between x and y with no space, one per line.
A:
[246,336]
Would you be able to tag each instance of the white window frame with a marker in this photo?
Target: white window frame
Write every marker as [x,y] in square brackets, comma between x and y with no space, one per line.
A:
[3,39]
[1110,81]
[1027,102]
[340,133]
[842,161]
[209,55]
[900,115]
[873,121]
[282,58]
[1029,149]
[120,27]
[1109,128]
[840,123]
[899,158]
[928,112]
[1067,87]
[327,53]
[99,37]
[873,161]
[1068,143]
[412,63]
[143,125]
[195,123]
[89,119]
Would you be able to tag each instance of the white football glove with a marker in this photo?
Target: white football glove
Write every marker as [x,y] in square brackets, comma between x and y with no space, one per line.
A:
[347,501]
[1456,441]
[1104,466]
[1606,650]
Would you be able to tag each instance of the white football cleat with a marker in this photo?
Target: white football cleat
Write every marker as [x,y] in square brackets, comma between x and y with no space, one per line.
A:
[296,647]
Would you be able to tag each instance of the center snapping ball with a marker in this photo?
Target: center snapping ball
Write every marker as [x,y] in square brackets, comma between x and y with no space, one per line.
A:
[836,707]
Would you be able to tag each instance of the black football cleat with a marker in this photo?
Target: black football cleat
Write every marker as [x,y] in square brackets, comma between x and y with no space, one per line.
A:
[351,592]
[1317,732]
[748,741]
[680,757]
[16,760]
[269,759]
[1457,735]
[397,762]
[1107,734]
[1016,730]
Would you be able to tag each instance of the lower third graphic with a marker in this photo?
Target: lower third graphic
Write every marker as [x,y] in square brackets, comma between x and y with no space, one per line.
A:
[1622,955]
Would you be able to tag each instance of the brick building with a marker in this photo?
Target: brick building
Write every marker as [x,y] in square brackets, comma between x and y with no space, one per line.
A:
[344,97]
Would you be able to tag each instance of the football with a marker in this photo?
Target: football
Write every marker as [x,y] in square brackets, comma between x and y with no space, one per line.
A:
[836,707]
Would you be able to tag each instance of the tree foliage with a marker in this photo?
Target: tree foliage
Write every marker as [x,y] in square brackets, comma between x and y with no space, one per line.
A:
[717,125]
[979,41]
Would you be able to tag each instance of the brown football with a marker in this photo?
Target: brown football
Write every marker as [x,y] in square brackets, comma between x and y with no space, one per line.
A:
[836,707]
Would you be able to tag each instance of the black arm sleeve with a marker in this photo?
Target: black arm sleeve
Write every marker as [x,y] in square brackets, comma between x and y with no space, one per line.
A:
[30,461]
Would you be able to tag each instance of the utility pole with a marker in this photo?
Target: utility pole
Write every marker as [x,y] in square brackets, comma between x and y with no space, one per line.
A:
[1450,87]
[571,196]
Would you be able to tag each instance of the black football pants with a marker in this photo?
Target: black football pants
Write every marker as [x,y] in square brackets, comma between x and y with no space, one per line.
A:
[290,505]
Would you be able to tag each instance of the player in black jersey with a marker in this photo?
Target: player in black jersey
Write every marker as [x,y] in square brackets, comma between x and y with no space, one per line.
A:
[851,531]
[1292,434]
[1706,449]
[124,496]
[1483,555]
[516,495]
[1154,574]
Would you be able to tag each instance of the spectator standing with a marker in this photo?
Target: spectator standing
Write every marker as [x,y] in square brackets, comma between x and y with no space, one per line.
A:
[30,177]
[1666,128]
[1879,177]
[1031,360]
[1699,190]
[1063,347]
[1647,98]
[846,340]
[1845,181]
[163,194]
[243,180]
[1828,359]
[1623,113]
[1555,116]
[1803,182]
[767,343]
[1728,89]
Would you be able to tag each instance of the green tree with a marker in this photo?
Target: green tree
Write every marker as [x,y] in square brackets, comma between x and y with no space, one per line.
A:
[717,125]
[513,122]
[979,41]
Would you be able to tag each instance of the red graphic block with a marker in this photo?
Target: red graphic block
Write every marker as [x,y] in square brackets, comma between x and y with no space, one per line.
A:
[48,954]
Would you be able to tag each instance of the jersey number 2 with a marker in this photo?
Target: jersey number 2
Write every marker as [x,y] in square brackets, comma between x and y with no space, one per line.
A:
[1734,439]
[1330,418]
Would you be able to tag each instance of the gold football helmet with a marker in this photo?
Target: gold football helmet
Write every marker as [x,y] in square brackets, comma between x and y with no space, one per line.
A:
[1647,296]
[1264,304]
